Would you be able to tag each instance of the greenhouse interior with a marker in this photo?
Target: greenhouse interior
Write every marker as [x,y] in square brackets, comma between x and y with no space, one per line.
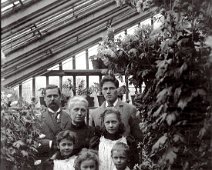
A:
[133,82]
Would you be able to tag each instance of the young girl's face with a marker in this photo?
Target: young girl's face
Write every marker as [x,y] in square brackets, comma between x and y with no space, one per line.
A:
[88,164]
[119,159]
[66,147]
[111,123]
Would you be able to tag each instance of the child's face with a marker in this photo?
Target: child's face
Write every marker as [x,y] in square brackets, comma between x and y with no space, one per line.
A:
[66,147]
[88,164]
[119,159]
[111,123]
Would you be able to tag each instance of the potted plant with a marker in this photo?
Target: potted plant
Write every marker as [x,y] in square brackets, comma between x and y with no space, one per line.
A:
[97,62]
[121,91]
[42,95]
[67,91]
[97,89]
[83,91]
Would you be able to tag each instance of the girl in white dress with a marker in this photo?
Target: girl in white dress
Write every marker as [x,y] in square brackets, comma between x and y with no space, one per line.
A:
[63,159]
[87,159]
[113,130]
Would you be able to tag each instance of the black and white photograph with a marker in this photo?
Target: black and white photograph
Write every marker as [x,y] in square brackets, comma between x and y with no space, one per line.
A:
[106,85]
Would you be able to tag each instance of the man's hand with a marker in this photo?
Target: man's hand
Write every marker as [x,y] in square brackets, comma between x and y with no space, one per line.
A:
[44,145]
[44,142]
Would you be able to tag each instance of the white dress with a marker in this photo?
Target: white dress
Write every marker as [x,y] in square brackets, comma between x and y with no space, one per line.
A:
[105,147]
[66,164]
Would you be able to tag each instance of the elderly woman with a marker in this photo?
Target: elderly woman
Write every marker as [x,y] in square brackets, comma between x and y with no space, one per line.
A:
[86,136]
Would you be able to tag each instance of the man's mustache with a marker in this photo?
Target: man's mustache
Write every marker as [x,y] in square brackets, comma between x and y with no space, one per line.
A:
[53,103]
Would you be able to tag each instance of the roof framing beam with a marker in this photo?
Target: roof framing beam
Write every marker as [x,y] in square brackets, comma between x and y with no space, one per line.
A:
[33,70]
[62,32]
[48,62]
[73,72]
[26,14]
[21,62]
[31,19]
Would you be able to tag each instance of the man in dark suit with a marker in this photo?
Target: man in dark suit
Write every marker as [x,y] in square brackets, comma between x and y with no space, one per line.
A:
[109,85]
[53,119]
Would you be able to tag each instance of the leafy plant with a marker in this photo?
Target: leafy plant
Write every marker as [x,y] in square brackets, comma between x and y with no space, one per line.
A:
[96,88]
[19,136]
[67,88]
[175,65]
[93,57]
[81,89]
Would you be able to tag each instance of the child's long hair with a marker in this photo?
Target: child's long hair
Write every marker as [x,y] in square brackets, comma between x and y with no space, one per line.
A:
[115,111]
[86,154]
[66,134]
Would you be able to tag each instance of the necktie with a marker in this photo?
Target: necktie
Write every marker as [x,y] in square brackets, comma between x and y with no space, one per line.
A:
[110,105]
[57,117]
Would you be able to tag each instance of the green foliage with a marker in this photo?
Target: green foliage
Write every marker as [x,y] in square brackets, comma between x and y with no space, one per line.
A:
[19,135]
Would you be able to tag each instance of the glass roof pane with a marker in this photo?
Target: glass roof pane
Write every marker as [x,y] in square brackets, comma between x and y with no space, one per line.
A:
[56,67]
[67,64]
[47,24]
[80,61]
[131,30]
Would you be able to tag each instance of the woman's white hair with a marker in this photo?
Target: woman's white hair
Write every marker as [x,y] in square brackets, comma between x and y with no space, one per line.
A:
[76,99]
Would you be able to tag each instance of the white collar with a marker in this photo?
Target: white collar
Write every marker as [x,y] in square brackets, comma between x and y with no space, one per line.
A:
[50,110]
[127,168]
[114,104]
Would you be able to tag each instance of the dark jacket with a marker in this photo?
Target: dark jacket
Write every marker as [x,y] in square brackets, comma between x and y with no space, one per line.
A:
[50,127]
[86,137]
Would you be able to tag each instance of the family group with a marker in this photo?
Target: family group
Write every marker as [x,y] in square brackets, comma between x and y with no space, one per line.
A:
[108,142]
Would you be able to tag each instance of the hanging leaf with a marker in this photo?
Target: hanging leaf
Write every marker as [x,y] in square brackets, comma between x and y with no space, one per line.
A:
[181,123]
[177,93]
[34,149]
[186,165]
[161,141]
[162,67]
[170,118]
[161,118]
[183,68]
[162,96]
[149,112]
[24,153]
[157,112]
[133,52]
[200,92]
[183,102]
[169,156]
[9,154]
[18,144]
[178,138]
[202,132]
[29,141]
